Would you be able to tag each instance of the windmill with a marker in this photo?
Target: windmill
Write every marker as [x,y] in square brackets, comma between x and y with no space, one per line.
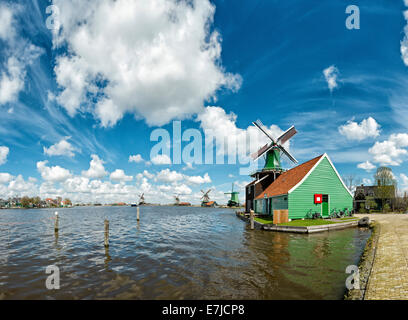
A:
[141,199]
[178,202]
[273,149]
[177,198]
[205,197]
[234,201]
[272,169]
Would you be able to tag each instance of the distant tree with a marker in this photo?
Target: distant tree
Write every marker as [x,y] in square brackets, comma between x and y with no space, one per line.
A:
[371,204]
[386,185]
[26,201]
[351,181]
[36,201]
[67,202]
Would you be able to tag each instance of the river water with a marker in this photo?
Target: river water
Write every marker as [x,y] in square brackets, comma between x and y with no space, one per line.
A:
[172,253]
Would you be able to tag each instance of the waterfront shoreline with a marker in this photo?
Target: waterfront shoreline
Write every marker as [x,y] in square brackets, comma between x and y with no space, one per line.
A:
[365,264]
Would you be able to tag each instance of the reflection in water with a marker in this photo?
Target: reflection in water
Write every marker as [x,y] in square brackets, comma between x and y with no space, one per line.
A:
[172,253]
[107,258]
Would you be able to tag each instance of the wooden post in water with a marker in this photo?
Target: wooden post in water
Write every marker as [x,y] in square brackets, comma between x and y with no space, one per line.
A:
[56,227]
[106,233]
[251,218]
[138,213]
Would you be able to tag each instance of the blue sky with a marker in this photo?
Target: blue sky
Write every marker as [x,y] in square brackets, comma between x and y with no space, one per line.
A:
[109,73]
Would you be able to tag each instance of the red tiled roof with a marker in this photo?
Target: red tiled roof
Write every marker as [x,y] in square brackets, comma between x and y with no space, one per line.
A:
[289,179]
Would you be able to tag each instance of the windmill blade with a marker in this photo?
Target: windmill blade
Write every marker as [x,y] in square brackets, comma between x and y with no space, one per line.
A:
[261,151]
[287,135]
[202,191]
[260,126]
[207,192]
[292,158]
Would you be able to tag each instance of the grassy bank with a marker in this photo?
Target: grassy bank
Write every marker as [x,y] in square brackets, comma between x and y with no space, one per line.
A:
[304,223]
[366,264]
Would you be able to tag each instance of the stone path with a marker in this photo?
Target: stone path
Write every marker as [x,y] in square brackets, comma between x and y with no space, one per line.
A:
[389,275]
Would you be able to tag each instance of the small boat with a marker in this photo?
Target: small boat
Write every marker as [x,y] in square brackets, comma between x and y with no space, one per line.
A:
[133,204]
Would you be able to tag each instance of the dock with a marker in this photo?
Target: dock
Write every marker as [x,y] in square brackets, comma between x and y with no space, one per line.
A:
[295,229]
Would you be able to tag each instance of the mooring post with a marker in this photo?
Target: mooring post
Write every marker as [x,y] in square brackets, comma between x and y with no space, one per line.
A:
[251,215]
[106,233]
[56,222]
[138,213]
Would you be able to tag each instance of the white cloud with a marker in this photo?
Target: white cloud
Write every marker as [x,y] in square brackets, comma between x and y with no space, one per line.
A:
[148,175]
[391,151]
[404,179]
[367,182]
[161,159]
[331,73]
[135,158]
[5,177]
[120,176]
[404,42]
[96,168]
[367,128]
[182,189]
[188,166]
[198,179]
[53,174]
[62,148]
[160,59]
[6,18]
[169,176]
[22,187]
[4,151]
[223,126]
[19,54]
[368,166]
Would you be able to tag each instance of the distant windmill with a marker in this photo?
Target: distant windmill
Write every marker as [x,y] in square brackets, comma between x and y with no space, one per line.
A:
[178,202]
[274,148]
[141,199]
[177,198]
[234,201]
[205,198]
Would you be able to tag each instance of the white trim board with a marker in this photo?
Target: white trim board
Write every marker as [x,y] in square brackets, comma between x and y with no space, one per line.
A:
[314,167]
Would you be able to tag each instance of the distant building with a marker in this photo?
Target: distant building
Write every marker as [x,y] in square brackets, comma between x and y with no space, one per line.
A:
[364,194]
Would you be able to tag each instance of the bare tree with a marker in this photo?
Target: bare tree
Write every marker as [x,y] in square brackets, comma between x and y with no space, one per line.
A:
[351,181]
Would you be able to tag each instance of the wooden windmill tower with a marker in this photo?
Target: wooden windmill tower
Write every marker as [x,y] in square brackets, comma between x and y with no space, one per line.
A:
[141,199]
[273,168]
[178,202]
[234,201]
[205,197]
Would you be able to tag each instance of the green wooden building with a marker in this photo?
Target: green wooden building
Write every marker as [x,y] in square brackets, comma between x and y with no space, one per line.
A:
[314,186]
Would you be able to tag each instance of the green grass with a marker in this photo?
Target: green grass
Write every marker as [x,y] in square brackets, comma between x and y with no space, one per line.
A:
[264,220]
[302,223]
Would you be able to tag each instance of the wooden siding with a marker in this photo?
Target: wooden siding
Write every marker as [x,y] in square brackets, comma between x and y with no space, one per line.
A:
[323,180]
[280,203]
[277,203]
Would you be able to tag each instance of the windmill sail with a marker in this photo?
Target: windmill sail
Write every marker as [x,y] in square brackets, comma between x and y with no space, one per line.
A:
[287,135]
[274,148]
[261,151]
